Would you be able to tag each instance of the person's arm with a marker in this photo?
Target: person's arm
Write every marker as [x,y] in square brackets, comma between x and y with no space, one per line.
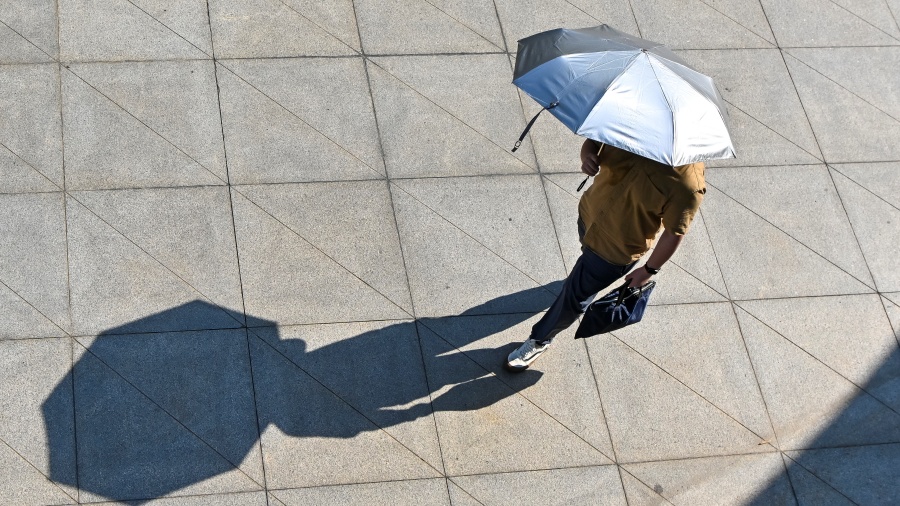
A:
[590,158]
[666,247]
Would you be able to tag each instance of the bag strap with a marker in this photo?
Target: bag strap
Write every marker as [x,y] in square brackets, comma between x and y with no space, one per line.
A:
[531,123]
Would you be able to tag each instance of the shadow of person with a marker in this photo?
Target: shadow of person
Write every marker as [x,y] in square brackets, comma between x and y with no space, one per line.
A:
[159,412]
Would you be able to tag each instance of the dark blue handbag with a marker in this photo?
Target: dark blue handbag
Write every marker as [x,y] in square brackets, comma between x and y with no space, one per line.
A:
[619,308]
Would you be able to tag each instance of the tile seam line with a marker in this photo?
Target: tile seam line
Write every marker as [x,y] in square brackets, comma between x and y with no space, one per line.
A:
[642,482]
[817,359]
[763,441]
[167,498]
[412,302]
[676,264]
[840,447]
[38,470]
[884,304]
[864,20]
[426,206]
[317,25]
[322,252]
[32,306]
[451,480]
[637,25]
[32,167]
[820,159]
[519,393]
[893,14]
[148,127]
[143,394]
[889,115]
[306,123]
[167,27]
[259,439]
[832,487]
[152,257]
[767,41]
[873,288]
[39,48]
[432,102]
[442,11]
[347,403]
[857,183]
[855,235]
[352,483]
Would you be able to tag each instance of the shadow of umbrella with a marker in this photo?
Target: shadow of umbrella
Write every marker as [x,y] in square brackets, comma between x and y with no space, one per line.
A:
[158,412]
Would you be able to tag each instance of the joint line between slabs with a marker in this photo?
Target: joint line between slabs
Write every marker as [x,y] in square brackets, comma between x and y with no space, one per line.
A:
[442,11]
[412,301]
[767,41]
[858,387]
[39,48]
[834,168]
[170,29]
[792,237]
[32,167]
[292,113]
[642,482]
[38,470]
[794,462]
[347,403]
[819,158]
[320,27]
[864,20]
[451,480]
[634,16]
[32,306]
[853,231]
[164,410]
[160,263]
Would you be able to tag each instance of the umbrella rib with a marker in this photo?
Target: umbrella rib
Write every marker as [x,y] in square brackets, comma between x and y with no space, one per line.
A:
[671,110]
[611,84]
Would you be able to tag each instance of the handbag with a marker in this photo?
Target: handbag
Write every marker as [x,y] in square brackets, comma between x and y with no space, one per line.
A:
[619,308]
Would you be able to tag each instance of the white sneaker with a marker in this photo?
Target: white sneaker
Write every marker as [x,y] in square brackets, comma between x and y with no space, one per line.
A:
[525,355]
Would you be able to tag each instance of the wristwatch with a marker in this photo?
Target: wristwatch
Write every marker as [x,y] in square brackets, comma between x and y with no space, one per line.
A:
[651,270]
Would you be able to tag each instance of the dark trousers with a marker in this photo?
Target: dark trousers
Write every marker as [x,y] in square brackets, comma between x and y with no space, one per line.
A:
[590,275]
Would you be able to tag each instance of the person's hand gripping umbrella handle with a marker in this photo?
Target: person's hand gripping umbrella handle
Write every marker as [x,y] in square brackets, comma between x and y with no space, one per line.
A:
[590,161]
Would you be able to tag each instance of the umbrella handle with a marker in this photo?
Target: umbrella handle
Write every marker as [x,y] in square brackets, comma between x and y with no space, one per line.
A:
[582,184]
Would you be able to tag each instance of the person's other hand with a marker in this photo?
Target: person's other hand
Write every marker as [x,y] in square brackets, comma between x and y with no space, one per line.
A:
[590,159]
[638,277]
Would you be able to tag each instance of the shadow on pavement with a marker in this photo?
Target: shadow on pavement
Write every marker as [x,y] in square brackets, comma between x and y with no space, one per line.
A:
[158,412]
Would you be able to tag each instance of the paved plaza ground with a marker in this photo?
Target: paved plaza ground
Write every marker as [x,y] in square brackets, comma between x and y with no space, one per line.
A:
[274,252]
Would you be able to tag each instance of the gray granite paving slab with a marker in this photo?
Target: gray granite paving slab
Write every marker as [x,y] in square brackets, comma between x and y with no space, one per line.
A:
[866,355]
[18,176]
[121,30]
[188,19]
[587,485]
[704,25]
[352,222]
[130,448]
[273,28]
[201,379]
[877,225]
[29,457]
[760,261]
[811,490]
[705,351]
[176,100]
[865,474]
[432,492]
[375,367]
[290,279]
[310,437]
[768,124]
[882,179]
[789,198]
[429,107]
[321,132]
[806,23]
[117,280]
[30,132]
[188,230]
[522,234]
[652,416]
[33,20]
[231,499]
[863,70]
[863,132]
[523,18]
[451,271]
[108,146]
[21,319]
[459,497]
[741,479]
[14,48]
[567,391]
[274,134]
[34,262]
[810,405]
[428,26]
[480,419]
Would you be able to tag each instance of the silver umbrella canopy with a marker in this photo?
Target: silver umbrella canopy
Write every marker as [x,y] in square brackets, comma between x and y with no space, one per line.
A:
[625,91]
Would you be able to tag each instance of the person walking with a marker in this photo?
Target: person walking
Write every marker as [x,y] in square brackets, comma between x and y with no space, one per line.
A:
[618,218]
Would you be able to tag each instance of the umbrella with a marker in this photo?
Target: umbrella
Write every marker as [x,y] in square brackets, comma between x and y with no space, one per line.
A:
[624,91]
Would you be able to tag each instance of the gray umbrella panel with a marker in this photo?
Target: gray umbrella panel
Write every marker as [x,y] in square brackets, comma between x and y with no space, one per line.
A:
[643,99]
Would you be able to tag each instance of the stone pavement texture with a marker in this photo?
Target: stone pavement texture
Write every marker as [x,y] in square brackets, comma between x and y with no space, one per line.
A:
[273,252]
